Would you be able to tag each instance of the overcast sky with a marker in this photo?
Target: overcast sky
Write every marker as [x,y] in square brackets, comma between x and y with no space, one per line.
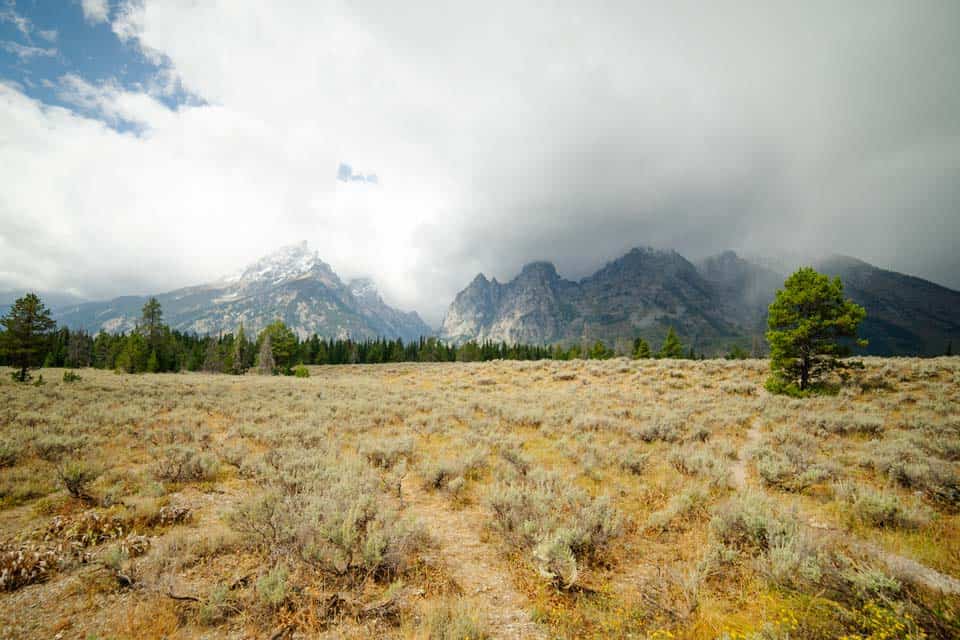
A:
[154,144]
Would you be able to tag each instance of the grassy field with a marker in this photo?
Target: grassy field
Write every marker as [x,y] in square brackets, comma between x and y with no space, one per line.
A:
[583,499]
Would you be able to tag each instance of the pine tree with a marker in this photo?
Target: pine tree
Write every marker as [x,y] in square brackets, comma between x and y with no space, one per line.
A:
[212,362]
[265,362]
[79,350]
[671,347]
[599,351]
[153,365]
[151,323]
[949,348]
[27,330]
[806,322]
[283,343]
[641,349]
[240,352]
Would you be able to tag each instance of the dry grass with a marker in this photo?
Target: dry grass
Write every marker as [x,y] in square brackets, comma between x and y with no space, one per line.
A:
[589,499]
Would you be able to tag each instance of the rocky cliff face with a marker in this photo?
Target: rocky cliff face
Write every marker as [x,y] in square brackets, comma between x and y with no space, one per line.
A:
[719,302]
[744,290]
[641,293]
[292,284]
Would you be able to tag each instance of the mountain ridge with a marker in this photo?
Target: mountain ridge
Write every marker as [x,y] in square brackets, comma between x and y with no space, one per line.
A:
[719,301]
[291,284]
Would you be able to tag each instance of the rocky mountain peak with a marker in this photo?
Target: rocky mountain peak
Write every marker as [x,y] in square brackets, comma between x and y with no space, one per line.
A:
[479,280]
[291,284]
[286,263]
[539,269]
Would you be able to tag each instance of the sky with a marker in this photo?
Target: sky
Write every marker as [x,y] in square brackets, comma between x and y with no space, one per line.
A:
[147,145]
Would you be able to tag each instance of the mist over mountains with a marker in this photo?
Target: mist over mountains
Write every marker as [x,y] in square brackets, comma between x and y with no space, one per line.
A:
[712,303]
[292,284]
[719,301]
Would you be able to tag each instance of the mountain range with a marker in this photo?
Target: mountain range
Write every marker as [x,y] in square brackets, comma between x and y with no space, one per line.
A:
[292,284]
[712,304]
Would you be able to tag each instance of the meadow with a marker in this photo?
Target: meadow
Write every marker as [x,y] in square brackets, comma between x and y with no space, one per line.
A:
[576,499]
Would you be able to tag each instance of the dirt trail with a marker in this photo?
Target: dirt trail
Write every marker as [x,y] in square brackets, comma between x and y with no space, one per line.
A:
[898,565]
[476,567]
[908,568]
[740,467]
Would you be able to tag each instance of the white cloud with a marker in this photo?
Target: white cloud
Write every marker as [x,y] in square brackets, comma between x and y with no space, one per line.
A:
[95,11]
[25,52]
[20,22]
[115,104]
[500,132]
[50,35]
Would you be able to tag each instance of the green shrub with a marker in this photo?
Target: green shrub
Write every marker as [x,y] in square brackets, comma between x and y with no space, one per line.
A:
[10,453]
[454,620]
[438,474]
[787,459]
[665,429]
[910,467]
[76,476]
[71,376]
[272,588]
[881,509]
[181,463]
[54,447]
[301,371]
[634,461]
[384,453]
[331,514]
[699,462]
[682,505]
[749,521]
[555,521]
[220,603]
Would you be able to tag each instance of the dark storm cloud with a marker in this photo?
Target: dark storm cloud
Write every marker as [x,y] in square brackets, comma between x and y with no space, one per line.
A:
[511,132]
[817,129]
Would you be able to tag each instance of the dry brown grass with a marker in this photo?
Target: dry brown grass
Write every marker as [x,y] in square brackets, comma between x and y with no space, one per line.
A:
[657,449]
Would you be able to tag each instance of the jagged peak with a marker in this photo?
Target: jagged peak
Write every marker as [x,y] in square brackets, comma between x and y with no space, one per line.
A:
[539,266]
[647,250]
[289,262]
[728,255]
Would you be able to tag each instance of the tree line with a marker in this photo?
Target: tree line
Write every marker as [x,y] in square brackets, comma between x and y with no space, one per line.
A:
[811,328]
[30,338]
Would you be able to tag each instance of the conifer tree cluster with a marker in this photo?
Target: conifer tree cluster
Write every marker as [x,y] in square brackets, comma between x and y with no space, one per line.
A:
[808,321]
[672,348]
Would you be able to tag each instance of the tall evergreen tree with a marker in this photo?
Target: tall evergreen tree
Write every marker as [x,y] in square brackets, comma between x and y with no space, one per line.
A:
[671,347]
[265,361]
[283,342]
[240,352]
[641,349]
[212,360]
[151,323]
[79,350]
[27,330]
[807,321]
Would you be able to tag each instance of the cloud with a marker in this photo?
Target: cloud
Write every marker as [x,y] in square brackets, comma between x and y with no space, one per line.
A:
[114,104]
[95,11]
[20,22]
[25,52]
[509,133]
[50,35]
